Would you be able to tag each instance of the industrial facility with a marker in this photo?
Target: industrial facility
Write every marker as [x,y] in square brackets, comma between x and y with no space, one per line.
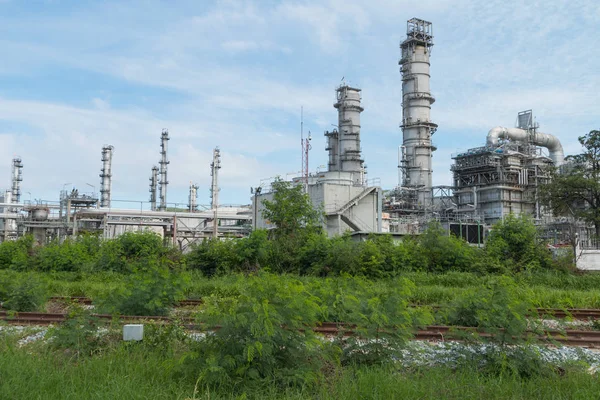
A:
[489,182]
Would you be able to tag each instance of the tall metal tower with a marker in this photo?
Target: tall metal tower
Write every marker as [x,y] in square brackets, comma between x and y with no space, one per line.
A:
[106,176]
[153,185]
[305,146]
[215,166]
[164,162]
[17,178]
[417,127]
[193,198]
[343,144]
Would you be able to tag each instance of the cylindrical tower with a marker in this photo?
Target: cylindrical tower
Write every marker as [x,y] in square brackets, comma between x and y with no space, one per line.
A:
[106,176]
[193,197]
[417,127]
[17,178]
[332,148]
[153,186]
[348,148]
[164,162]
[215,166]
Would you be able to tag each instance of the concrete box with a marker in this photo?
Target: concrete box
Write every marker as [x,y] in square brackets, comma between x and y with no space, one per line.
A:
[133,332]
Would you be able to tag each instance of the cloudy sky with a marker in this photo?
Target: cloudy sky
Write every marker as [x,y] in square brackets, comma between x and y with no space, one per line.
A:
[75,75]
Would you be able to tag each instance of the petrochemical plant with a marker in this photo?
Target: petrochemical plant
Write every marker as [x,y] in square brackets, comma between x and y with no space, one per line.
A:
[489,182]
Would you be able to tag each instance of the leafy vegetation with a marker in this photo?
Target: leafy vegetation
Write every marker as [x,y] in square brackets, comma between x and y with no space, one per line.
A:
[23,292]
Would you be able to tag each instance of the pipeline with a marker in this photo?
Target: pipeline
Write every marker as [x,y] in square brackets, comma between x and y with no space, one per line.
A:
[546,140]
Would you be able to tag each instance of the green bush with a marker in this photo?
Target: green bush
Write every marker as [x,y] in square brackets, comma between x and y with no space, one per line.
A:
[15,254]
[211,257]
[264,334]
[23,292]
[78,335]
[382,321]
[71,255]
[515,244]
[500,308]
[151,289]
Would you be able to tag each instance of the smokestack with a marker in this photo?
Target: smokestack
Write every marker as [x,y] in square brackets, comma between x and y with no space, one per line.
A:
[164,141]
[193,197]
[17,178]
[417,127]
[106,176]
[348,135]
[153,185]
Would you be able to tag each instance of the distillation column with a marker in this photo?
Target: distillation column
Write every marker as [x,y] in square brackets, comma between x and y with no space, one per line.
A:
[193,197]
[153,186]
[106,176]
[164,141]
[417,127]
[347,150]
[215,166]
[17,178]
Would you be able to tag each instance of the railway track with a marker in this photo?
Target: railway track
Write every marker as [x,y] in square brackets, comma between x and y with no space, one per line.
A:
[575,313]
[440,333]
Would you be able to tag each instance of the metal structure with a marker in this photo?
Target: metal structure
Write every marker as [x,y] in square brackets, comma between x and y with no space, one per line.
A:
[503,177]
[193,198]
[417,127]
[153,187]
[305,145]
[17,178]
[106,176]
[215,166]
[164,162]
[343,144]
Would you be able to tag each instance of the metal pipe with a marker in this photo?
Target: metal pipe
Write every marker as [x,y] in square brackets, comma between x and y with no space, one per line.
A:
[193,197]
[215,166]
[546,140]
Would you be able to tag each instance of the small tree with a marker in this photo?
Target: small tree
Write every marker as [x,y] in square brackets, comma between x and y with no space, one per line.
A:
[574,190]
[291,210]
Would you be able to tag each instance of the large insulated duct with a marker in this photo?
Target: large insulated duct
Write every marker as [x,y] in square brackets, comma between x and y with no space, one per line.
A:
[417,127]
[348,148]
[106,176]
[17,178]
[164,162]
[153,186]
[546,140]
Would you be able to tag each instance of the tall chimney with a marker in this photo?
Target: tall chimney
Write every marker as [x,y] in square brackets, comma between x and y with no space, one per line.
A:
[17,178]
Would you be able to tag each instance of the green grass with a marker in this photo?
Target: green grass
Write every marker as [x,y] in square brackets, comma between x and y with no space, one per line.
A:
[136,372]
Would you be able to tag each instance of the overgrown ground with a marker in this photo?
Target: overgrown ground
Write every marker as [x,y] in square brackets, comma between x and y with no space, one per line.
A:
[135,372]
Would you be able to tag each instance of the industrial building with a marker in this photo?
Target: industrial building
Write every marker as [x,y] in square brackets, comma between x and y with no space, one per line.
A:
[489,182]
[342,192]
[76,213]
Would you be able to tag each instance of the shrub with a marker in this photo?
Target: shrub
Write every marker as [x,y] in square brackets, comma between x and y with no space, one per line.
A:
[515,243]
[20,292]
[71,255]
[79,334]
[499,308]
[383,321]
[15,254]
[264,335]
[212,257]
[151,289]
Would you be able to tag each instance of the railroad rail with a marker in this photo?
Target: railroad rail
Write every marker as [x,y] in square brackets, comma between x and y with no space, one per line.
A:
[439,333]
[575,313]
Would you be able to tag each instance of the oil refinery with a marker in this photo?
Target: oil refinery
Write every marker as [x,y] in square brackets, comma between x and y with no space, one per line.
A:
[489,182]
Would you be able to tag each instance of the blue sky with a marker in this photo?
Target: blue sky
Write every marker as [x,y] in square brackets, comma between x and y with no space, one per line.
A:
[79,74]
